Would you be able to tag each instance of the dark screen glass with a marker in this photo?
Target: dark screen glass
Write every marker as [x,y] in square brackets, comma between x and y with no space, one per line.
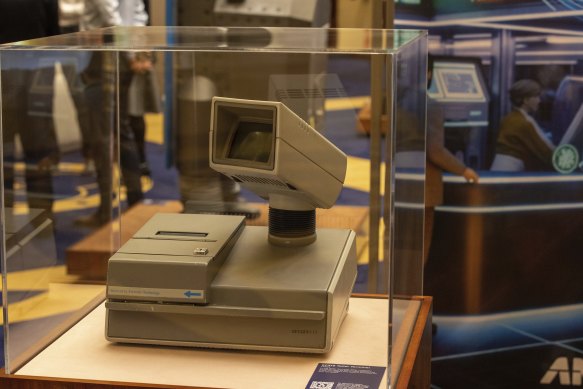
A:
[460,83]
[252,142]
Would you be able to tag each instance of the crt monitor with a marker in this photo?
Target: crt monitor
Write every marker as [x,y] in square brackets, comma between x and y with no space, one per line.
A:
[246,135]
[458,82]
[271,151]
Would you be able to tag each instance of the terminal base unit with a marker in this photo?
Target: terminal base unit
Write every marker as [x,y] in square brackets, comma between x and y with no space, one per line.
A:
[264,297]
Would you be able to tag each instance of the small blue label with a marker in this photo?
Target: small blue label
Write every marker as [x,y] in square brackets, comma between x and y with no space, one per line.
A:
[333,376]
[190,294]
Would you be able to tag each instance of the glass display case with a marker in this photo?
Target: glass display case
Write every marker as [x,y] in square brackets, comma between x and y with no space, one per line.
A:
[263,189]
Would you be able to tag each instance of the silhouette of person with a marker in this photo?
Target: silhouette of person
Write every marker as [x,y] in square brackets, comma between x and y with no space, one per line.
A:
[100,91]
[521,144]
[439,159]
[21,71]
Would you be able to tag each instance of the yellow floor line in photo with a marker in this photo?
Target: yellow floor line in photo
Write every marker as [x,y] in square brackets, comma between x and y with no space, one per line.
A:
[344,103]
[29,279]
[358,174]
[59,299]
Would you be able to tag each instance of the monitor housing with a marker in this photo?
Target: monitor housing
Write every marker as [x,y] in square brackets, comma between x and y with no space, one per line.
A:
[271,151]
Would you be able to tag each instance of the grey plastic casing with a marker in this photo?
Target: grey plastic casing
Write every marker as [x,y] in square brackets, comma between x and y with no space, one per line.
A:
[296,150]
[172,258]
[264,297]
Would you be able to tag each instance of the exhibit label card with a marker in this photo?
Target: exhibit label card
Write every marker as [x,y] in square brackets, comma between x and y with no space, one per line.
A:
[333,376]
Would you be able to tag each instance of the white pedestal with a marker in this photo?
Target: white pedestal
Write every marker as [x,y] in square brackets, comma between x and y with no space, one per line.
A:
[83,353]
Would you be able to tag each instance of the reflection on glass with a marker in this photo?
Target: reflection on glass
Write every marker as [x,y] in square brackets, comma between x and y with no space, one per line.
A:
[73,105]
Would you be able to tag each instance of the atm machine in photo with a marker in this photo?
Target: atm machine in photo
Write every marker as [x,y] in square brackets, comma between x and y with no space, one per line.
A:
[459,88]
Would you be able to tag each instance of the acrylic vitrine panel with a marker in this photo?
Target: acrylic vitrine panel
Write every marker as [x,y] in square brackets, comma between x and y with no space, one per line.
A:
[156,109]
[409,169]
[407,178]
[61,184]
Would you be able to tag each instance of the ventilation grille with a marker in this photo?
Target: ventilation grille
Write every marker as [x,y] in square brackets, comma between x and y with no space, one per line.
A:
[258,180]
[306,93]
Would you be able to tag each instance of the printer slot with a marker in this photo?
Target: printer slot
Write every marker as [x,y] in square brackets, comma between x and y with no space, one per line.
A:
[182,234]
[210,310]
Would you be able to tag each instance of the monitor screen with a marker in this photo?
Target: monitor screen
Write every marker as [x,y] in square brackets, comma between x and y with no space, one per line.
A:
[459,81]
[251,141]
